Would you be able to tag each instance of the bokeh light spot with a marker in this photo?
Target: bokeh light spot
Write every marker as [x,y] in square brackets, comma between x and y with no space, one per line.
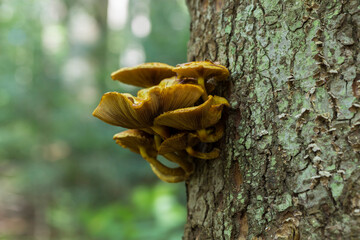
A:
[141,26]
[117,14]
[52,38]
[132,56]
[83,27]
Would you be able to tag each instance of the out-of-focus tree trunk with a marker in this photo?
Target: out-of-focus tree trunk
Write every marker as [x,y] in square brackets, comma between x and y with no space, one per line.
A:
[100,52]
[289,167]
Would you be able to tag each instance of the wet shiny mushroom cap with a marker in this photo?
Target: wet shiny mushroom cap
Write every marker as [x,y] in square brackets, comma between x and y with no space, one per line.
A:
[144,75]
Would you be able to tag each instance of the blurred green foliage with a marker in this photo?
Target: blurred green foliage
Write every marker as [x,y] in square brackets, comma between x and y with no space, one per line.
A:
[61,174]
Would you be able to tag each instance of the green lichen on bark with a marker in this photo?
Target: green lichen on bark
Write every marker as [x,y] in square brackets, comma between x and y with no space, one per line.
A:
[289,166]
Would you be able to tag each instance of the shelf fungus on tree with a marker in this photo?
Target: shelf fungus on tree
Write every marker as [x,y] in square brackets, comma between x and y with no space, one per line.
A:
[167,117]
[202,70]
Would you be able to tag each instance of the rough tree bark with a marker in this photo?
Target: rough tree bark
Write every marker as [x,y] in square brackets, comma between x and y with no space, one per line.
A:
[289,167]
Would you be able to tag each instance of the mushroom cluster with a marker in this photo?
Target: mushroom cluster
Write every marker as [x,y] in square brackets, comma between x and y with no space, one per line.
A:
[170,116]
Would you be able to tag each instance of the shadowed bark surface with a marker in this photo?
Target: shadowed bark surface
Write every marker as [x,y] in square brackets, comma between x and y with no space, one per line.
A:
[289,167]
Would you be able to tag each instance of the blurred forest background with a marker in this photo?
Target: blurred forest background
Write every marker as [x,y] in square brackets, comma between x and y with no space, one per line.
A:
[61,174]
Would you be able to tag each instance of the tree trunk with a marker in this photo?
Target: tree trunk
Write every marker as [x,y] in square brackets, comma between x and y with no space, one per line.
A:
[289,167]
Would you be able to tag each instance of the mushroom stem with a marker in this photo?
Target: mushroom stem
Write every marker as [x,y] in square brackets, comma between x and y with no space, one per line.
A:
[161,131]
[210,155]
[188,166]
[206,135]
[158,165]
[202,134]
[201,82]
[157,140]
[168,178]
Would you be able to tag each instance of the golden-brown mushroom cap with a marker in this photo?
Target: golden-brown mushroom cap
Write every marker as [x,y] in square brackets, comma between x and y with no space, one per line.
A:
[194,118]
[205,69]
[134,138]
[139,112]
[144,75]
